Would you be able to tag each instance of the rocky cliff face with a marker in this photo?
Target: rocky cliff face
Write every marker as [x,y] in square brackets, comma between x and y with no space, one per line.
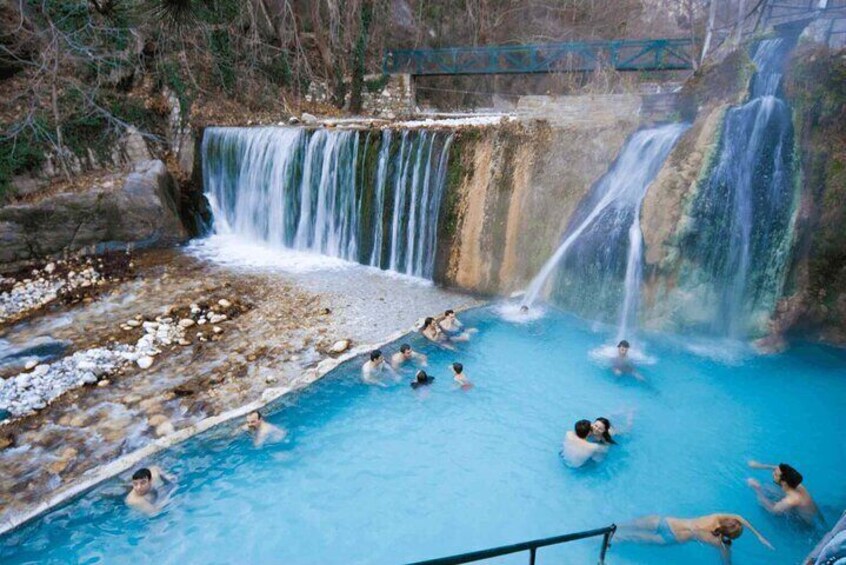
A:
[815,298]
[138,209]
[511,193]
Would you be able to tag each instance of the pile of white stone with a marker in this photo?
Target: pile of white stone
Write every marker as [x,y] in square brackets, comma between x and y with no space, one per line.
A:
[42,288]
[34,389]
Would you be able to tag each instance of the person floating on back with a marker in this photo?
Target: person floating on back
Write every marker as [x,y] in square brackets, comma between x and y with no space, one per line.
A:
[147,495]
[374,368]
[716,530]
[577,450]
[406,354]
[622,364]
[460,378]
[262,431]
[796,500]
[421,379]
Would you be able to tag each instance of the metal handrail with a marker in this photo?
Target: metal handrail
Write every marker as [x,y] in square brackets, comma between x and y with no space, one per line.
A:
[531,546]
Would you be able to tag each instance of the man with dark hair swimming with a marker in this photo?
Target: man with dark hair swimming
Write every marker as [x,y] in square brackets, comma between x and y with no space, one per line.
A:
[453,328]
[796,497]
[577,450]
[374,367]
[622,364]
[146,495]
[406,354]
[261,430]
[459,377]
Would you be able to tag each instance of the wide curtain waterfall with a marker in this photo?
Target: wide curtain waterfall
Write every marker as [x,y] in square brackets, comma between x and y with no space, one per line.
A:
[368,196]
[597,269]
[738,245]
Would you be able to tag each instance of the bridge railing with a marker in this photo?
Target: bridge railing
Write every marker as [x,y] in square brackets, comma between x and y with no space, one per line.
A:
[623,55]
[530,546]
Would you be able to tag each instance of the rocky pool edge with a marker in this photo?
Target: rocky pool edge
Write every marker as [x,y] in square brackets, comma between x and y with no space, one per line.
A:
[126,462]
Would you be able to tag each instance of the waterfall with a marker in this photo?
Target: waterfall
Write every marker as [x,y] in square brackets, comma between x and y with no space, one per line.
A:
[741,217]
[360,196]
[598,263]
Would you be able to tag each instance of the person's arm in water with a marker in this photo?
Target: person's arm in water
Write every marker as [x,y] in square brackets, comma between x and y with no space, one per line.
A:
[779,507]
[422,359]
[368,376]
[764,541]
[725,554]
[165,477]
[756,465]
[598,451]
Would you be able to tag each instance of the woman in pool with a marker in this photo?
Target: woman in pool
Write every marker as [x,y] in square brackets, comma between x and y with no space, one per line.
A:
[422,379]
[601,431]
[433,333]
[716,530]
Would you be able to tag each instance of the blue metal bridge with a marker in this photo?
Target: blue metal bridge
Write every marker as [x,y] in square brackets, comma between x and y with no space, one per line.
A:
[622,55]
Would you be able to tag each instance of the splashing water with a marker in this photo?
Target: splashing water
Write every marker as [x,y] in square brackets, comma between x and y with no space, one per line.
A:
[603,244]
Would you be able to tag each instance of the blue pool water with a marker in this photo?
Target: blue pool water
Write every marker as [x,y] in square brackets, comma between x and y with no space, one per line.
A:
[387,475]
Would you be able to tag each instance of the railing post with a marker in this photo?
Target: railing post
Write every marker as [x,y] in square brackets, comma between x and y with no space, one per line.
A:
[606,540]
[532,553]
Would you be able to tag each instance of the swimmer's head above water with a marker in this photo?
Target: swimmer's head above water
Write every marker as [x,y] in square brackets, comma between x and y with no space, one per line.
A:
[728,529]
[524,309]
[582,428]
[449,314]
[254,420]
[457,368]
[406,351]
[422,379]
[376,356]
[623,348]
[142,481]
[785,475]
[428,322]
[601,428]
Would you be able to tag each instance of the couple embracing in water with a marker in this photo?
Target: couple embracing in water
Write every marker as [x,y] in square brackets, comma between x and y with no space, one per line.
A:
[587,441]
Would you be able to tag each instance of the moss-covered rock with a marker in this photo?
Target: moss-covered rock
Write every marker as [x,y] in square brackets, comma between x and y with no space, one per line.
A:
[815,300]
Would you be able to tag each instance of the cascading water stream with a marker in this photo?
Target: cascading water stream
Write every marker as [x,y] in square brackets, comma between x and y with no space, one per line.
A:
[743,212]
[603,243]
[314,191]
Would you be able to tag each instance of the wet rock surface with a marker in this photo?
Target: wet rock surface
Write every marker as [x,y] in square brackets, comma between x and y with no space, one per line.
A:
[218,338]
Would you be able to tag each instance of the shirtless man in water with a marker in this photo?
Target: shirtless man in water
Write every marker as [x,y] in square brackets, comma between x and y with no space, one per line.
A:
[577,450]
[796,497]
[261,430]
[622,364]
[406,354]
[375,367]
[432,331]
[716,530]
[453,328]
[146,495]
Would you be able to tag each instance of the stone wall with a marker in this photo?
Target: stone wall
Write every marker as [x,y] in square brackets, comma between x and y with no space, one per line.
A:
[395,98]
